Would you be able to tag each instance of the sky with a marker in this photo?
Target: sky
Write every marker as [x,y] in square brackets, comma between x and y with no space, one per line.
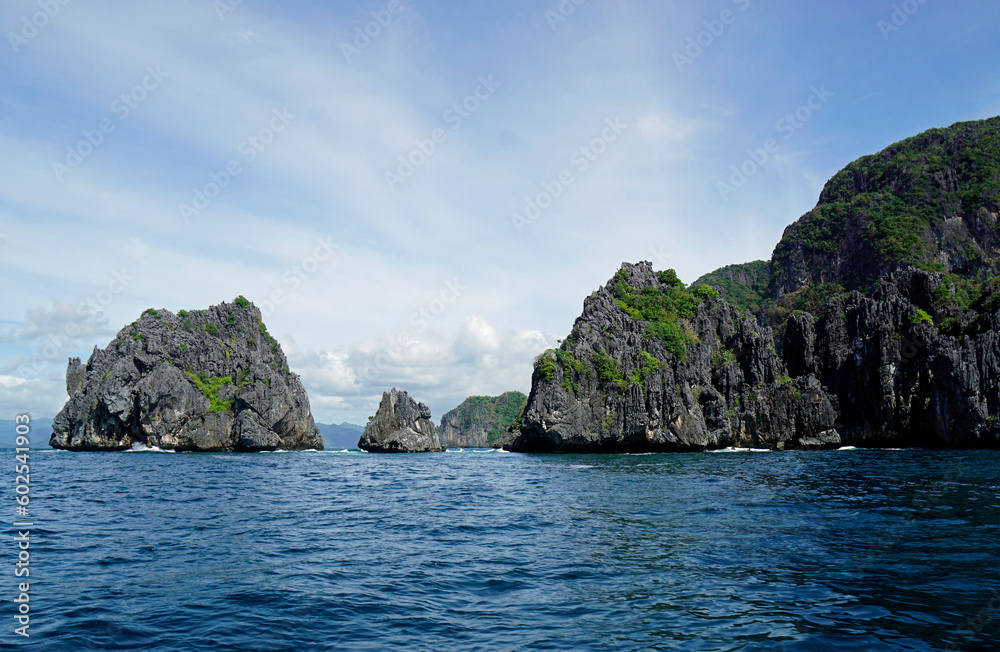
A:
[420,194]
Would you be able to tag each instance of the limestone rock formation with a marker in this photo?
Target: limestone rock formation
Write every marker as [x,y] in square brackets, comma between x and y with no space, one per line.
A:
[898,378]
[482,421]
[708,377]
[875,323]
[401,425]
[206,380]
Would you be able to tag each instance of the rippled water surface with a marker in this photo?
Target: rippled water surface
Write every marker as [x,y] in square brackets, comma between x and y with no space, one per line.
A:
[846,550]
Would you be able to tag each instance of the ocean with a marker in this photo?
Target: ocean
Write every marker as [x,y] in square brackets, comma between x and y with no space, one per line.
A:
[482,550]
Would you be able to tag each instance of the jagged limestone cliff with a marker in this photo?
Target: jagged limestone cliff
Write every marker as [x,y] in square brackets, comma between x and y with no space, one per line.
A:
[899,378]
[206,380]
[652,367]
[930,201]
[876,322]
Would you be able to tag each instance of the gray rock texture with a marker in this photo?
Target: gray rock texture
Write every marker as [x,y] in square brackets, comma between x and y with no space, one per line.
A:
[873,371]
[876,322]
[401,425]
[728,389]
[481,421]
[206,380]
[932,199]
[899,380]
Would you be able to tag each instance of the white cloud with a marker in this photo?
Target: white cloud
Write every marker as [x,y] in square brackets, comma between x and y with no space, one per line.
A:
[440,370]
[477,338]
[64,319]
[39,397]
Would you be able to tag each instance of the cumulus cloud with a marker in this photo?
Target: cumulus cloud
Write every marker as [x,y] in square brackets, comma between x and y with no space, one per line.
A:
[440,370]
[39,397]
[477,338]
[62,320]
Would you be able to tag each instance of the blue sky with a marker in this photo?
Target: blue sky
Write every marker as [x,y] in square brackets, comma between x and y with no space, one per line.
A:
[421,194]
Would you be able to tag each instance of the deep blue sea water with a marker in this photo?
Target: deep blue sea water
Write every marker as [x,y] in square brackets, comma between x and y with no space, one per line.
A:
[846,550]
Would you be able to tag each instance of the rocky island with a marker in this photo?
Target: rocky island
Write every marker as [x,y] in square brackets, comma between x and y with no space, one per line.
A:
[401,425]
[205,380]
[482,421]
[876,322]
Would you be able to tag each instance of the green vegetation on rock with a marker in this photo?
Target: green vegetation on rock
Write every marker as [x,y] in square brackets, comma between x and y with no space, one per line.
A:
[744,286]
[495,415]
[921,317]
[608,370]
[545,365]
[210,388]
[663,309]
[648,365]
[892,209]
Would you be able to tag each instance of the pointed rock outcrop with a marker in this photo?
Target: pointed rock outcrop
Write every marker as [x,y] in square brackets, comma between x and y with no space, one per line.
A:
[401,425]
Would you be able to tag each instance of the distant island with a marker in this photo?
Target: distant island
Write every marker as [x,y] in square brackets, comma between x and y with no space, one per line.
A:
[483,421]
[340,436]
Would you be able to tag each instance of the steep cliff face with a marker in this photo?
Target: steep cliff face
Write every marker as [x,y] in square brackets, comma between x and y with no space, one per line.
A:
[481,421]
[208,380]
[651,367]
[883,301]
[932,200]
[401,425]
[899,379]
